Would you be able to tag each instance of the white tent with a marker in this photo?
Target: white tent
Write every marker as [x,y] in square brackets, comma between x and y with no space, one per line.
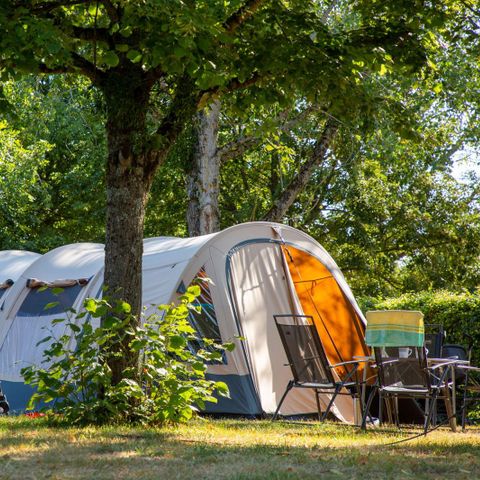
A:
[12,264]
[258,269]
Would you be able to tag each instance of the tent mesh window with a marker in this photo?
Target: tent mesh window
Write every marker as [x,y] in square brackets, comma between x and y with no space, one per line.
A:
[204,322]
[58,301]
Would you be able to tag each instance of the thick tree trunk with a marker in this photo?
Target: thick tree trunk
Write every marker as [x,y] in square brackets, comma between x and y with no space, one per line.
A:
[128,180]
[203,179]
[287,197]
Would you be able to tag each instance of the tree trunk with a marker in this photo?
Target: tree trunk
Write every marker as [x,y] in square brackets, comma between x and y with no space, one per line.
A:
[285,200]
[128,180]
[203,179]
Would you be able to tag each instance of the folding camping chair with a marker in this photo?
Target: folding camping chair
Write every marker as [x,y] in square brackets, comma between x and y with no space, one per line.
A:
[466,376]
[308,362]
[397,338]
[434,338]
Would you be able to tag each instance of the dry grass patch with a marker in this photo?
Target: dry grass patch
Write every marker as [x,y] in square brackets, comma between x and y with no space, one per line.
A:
[231,449]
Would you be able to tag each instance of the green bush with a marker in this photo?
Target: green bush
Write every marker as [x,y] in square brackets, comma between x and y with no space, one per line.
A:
[459,313]
[167,387]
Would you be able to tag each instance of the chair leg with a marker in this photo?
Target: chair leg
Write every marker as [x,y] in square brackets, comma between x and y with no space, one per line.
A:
[380,407]
[397,414]
[428,413]
[289,387]
[318,405]
[464,402]
[367,408]
[337,389]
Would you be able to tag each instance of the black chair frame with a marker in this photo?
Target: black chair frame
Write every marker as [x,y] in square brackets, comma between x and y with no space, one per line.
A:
[434,379]
[302,367]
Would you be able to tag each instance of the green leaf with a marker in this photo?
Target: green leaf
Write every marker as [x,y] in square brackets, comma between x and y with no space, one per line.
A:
[51,305]
[111,58]
[134,56]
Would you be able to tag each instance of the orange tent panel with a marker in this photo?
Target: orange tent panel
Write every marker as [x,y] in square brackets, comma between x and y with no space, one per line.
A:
[338,324]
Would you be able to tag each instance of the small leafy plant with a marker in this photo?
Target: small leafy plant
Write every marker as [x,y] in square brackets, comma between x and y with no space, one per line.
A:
[167,385]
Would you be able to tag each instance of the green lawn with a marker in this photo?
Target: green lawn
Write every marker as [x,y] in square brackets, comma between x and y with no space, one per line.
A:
[233,449]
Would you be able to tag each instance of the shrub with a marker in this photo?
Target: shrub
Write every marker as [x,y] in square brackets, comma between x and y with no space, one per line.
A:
[167,386]
[459,313]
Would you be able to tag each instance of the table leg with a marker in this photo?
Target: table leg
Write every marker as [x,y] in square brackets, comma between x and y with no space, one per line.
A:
[450,402]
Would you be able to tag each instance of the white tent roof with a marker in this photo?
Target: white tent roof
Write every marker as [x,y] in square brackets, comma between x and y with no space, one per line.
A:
[77,260]
[14,262]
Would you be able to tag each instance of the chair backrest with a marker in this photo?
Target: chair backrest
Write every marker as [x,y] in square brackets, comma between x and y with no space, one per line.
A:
[459,352]
[434,337]
[304,349]
[402,367]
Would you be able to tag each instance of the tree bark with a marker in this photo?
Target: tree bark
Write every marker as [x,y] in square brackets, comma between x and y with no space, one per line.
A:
[285,200]
[203,179]
[128,179]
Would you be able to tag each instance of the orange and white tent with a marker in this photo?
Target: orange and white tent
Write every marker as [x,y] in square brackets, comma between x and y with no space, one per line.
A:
[256,270]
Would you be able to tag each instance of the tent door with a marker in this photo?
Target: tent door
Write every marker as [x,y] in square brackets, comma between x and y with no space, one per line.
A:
[260,289]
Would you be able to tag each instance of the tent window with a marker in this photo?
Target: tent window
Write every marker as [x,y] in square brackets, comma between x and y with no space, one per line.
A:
[36,300]
[205,322]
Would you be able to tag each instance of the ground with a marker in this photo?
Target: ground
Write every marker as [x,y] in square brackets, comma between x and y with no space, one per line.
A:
[232,449]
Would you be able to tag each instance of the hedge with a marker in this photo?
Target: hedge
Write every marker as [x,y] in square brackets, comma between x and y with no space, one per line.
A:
[459,313]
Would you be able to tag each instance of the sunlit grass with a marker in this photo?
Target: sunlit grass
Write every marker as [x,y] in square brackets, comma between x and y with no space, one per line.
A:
[233,449]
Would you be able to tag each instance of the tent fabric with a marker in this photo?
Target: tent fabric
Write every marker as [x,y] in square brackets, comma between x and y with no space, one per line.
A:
[257,275]
[252,279]
[12,264]
[24,320]
[395,328]
[340,327]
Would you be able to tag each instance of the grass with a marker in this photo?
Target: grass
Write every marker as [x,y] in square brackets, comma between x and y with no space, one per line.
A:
[231,449]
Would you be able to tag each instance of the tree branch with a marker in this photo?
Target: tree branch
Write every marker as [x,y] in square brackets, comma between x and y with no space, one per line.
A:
[241,15]
[87,68]
[239,146]
[288,196]
[47,7]
[92,34]
[234,84]
[112,11]
[42,68]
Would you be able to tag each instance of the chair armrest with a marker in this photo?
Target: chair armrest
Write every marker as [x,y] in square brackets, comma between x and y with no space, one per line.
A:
[395,360]
[443,364]
[464,366]
[350,362]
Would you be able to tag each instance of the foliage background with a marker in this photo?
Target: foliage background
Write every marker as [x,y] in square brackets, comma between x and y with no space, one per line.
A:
[459,313]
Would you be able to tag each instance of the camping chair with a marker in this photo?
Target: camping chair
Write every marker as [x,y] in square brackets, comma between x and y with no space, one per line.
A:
[466,376]
[397,338]
[308,362]
[434,337]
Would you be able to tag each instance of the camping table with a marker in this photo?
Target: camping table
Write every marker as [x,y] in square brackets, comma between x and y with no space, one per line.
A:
[450,400]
